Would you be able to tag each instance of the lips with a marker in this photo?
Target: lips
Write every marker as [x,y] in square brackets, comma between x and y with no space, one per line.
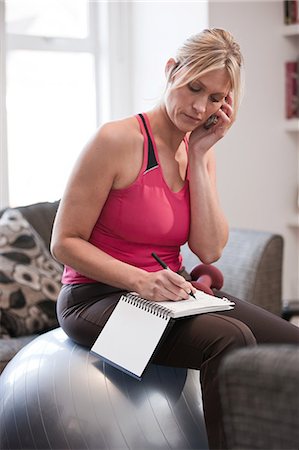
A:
[193,119]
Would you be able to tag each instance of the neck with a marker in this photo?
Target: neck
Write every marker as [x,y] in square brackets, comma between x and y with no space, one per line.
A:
[163,128]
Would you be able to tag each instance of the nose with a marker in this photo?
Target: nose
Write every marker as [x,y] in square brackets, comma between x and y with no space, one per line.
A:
[199,104]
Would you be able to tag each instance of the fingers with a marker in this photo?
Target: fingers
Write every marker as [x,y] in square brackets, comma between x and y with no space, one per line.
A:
[227,106]
[177,287]
[168,285]
[169,291]
[229,99]
[226,116]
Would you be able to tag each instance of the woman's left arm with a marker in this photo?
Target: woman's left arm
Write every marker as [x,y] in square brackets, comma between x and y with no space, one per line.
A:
[208,229]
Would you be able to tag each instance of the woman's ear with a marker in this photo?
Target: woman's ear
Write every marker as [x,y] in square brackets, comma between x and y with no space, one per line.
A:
[170,65]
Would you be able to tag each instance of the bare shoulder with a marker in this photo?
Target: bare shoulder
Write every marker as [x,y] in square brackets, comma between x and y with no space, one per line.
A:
[118,135]
[114,153]
[107,149]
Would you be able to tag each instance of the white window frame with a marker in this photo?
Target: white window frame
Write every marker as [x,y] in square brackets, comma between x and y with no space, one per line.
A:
[109,43]
[3,129]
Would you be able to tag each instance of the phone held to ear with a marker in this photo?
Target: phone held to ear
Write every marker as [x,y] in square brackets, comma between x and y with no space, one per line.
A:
[212,120]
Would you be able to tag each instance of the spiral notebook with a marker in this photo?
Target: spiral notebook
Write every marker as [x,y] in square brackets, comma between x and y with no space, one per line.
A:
[136,327]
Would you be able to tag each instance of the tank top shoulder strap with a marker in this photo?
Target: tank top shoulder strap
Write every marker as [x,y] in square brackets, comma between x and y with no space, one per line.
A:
[151,158]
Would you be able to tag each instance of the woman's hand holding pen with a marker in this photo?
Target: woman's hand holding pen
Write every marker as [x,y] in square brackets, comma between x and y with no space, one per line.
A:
[165,285]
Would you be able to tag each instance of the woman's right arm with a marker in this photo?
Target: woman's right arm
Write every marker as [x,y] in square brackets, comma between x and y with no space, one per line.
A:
[96,172]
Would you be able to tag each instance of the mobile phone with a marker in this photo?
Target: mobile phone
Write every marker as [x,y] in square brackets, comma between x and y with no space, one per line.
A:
[212,120]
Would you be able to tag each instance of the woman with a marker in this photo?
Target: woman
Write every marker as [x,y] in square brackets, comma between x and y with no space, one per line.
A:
[148,184]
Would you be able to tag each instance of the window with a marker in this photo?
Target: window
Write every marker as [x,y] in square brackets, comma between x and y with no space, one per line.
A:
[51,18]
[52,87]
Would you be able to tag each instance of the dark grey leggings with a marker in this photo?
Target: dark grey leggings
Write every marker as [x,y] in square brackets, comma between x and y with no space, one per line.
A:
[199,342]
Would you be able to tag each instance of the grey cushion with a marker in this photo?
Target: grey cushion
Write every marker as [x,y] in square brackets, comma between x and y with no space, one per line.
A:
[41,216]
[260,397]
[29,278]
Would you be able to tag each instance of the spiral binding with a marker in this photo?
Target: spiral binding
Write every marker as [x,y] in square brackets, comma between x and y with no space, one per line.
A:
[152,307]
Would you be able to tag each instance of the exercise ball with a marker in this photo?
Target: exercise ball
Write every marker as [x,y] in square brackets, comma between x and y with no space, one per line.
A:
[55,394]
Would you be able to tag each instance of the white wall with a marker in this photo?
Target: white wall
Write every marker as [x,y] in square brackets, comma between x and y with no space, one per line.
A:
[158,29]
[258,160]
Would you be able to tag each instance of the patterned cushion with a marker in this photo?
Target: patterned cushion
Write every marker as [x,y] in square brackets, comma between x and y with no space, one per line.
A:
[29,279]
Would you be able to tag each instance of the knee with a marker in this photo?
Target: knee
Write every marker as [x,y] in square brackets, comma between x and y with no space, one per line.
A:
[239,335]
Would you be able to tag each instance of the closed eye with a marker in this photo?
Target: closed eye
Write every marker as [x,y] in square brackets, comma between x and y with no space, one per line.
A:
[194,87]
[216,100]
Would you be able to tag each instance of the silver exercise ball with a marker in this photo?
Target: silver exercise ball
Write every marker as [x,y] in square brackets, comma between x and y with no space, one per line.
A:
[55,394]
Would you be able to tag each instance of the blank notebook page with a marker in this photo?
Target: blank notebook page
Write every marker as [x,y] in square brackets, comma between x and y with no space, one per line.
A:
[130,337]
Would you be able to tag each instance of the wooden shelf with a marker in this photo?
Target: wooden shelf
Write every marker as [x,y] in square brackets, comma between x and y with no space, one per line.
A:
[292,125]
[291,30]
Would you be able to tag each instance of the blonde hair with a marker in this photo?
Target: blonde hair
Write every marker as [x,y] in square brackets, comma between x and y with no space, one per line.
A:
[206,51]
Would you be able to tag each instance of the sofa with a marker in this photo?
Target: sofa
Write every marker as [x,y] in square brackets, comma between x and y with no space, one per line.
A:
[30,278]
[260,397]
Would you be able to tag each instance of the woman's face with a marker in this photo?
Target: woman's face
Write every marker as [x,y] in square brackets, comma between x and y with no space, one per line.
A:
[189,106]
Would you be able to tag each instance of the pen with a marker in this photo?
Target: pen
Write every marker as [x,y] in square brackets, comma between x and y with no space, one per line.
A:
[165,266]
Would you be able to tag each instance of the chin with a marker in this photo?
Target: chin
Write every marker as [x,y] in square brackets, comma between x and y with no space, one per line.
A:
[188,124]
[181,122]
[182,125]
[187,128]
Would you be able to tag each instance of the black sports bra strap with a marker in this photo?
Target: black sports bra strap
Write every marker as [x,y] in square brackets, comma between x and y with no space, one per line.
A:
[151,160]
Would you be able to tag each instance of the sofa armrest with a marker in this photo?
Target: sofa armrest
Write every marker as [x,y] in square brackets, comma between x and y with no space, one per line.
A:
[251,264]
[252,268]
[260,397]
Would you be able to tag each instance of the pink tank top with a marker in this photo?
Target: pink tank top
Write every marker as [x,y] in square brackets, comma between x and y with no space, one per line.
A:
[143,218]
